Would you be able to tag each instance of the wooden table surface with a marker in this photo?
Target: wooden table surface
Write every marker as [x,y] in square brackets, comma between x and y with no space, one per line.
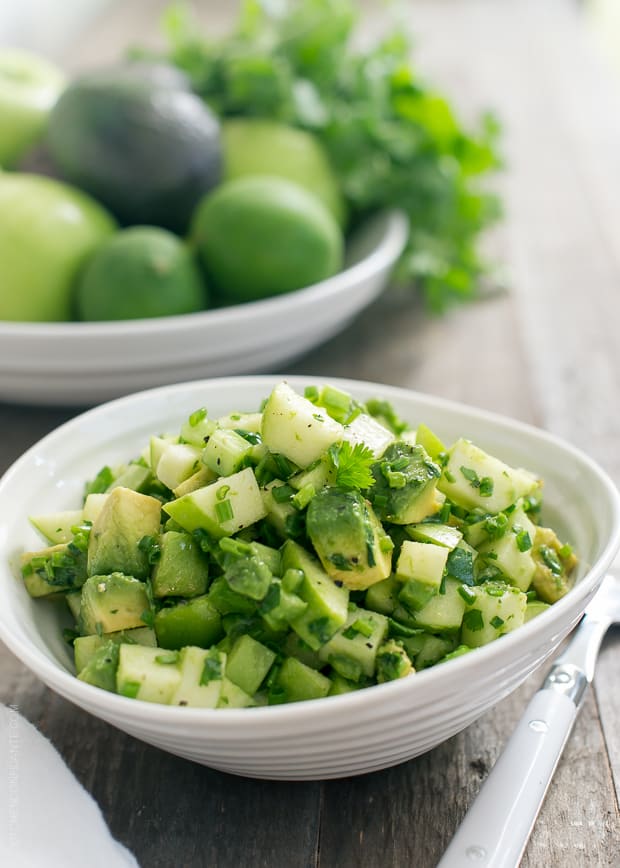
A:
[546,352]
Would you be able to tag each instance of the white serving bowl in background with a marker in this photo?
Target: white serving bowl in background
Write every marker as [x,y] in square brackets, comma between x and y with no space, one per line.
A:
[82,363]
[328,738]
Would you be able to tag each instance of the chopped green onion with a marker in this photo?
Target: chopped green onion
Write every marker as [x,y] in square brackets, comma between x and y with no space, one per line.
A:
[224,511]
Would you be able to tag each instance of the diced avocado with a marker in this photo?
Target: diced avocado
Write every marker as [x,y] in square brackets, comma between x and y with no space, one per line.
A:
[85,646]
[111,603]
[420,568]
[472,478]
[226,452]
[327,602]
[56,527]
[392,662]
[249,576]
[268,555]
[512,552]
[430,441]
[554,564]
[222,508]
[100,671]
[125,518]
[298,681]
[458,652]
[227,601]
[494,608]
[367,430]
[296,428]
[202,673]
[432,532]
[405,486]
[58,568]
[348,537]
[382,597]
[178,461]
[356,641]
[534,608]
[248,663]
[443,612]
[233,696]
[182,569]
[150,674]
[73,600]
[189,622]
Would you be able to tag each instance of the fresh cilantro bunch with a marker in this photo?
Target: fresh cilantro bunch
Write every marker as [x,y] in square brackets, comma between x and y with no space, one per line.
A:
[393,141]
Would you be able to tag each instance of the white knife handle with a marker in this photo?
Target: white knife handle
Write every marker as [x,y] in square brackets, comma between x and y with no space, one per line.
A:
[497,827]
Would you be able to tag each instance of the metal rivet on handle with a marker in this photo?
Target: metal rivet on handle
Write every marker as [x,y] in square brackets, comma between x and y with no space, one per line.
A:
[538,725]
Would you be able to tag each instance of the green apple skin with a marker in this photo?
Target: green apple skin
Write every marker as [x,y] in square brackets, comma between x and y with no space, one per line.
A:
[29,88]
[47,231]
[253,146]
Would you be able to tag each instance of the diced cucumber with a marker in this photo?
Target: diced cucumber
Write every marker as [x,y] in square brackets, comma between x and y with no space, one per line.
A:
[327,603]
[223,507]
[341,685]
[429,440]
[100,671]
[432,649]
[318,474]
[472,478]
[177,463]
[202,674]
[192,622]
[296,428]
[113,602]
[512,552]
[278,512]
[74,601]
[233,696]
[56,527]
[535,608]
[150,674]
[199,479]
[134,477]
[241,422]
[443,612]
[294,646]
[248,663]
[439,534]
[85,646]
[358,640]
[420,567]
[93,506]
[226,452]
[299,682]
[497,609]
[157,447]
[369,432]
[383,597]
[197,428]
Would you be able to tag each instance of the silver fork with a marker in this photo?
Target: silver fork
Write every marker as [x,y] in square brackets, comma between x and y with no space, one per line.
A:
[497,827]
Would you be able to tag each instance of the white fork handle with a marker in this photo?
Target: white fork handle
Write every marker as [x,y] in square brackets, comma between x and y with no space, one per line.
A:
[497,827]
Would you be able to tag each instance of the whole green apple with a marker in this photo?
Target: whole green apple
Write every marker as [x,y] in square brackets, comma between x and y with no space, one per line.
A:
[47,231]
[29,88]
[253,146]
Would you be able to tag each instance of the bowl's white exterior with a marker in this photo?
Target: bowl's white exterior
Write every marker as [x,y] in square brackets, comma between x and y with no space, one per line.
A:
[86,363]
[334,737]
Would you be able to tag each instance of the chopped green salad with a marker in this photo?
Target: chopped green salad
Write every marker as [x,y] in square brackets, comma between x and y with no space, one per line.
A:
[314,547]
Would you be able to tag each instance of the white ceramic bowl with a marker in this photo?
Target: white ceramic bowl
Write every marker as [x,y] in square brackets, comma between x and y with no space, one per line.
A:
[327,738]
[85,363]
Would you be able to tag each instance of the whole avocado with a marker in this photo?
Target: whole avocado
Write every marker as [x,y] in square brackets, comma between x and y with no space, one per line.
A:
[138,140]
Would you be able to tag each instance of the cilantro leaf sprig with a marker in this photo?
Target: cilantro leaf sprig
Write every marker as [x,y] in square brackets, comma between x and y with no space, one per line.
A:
[393,140]
[352,464]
